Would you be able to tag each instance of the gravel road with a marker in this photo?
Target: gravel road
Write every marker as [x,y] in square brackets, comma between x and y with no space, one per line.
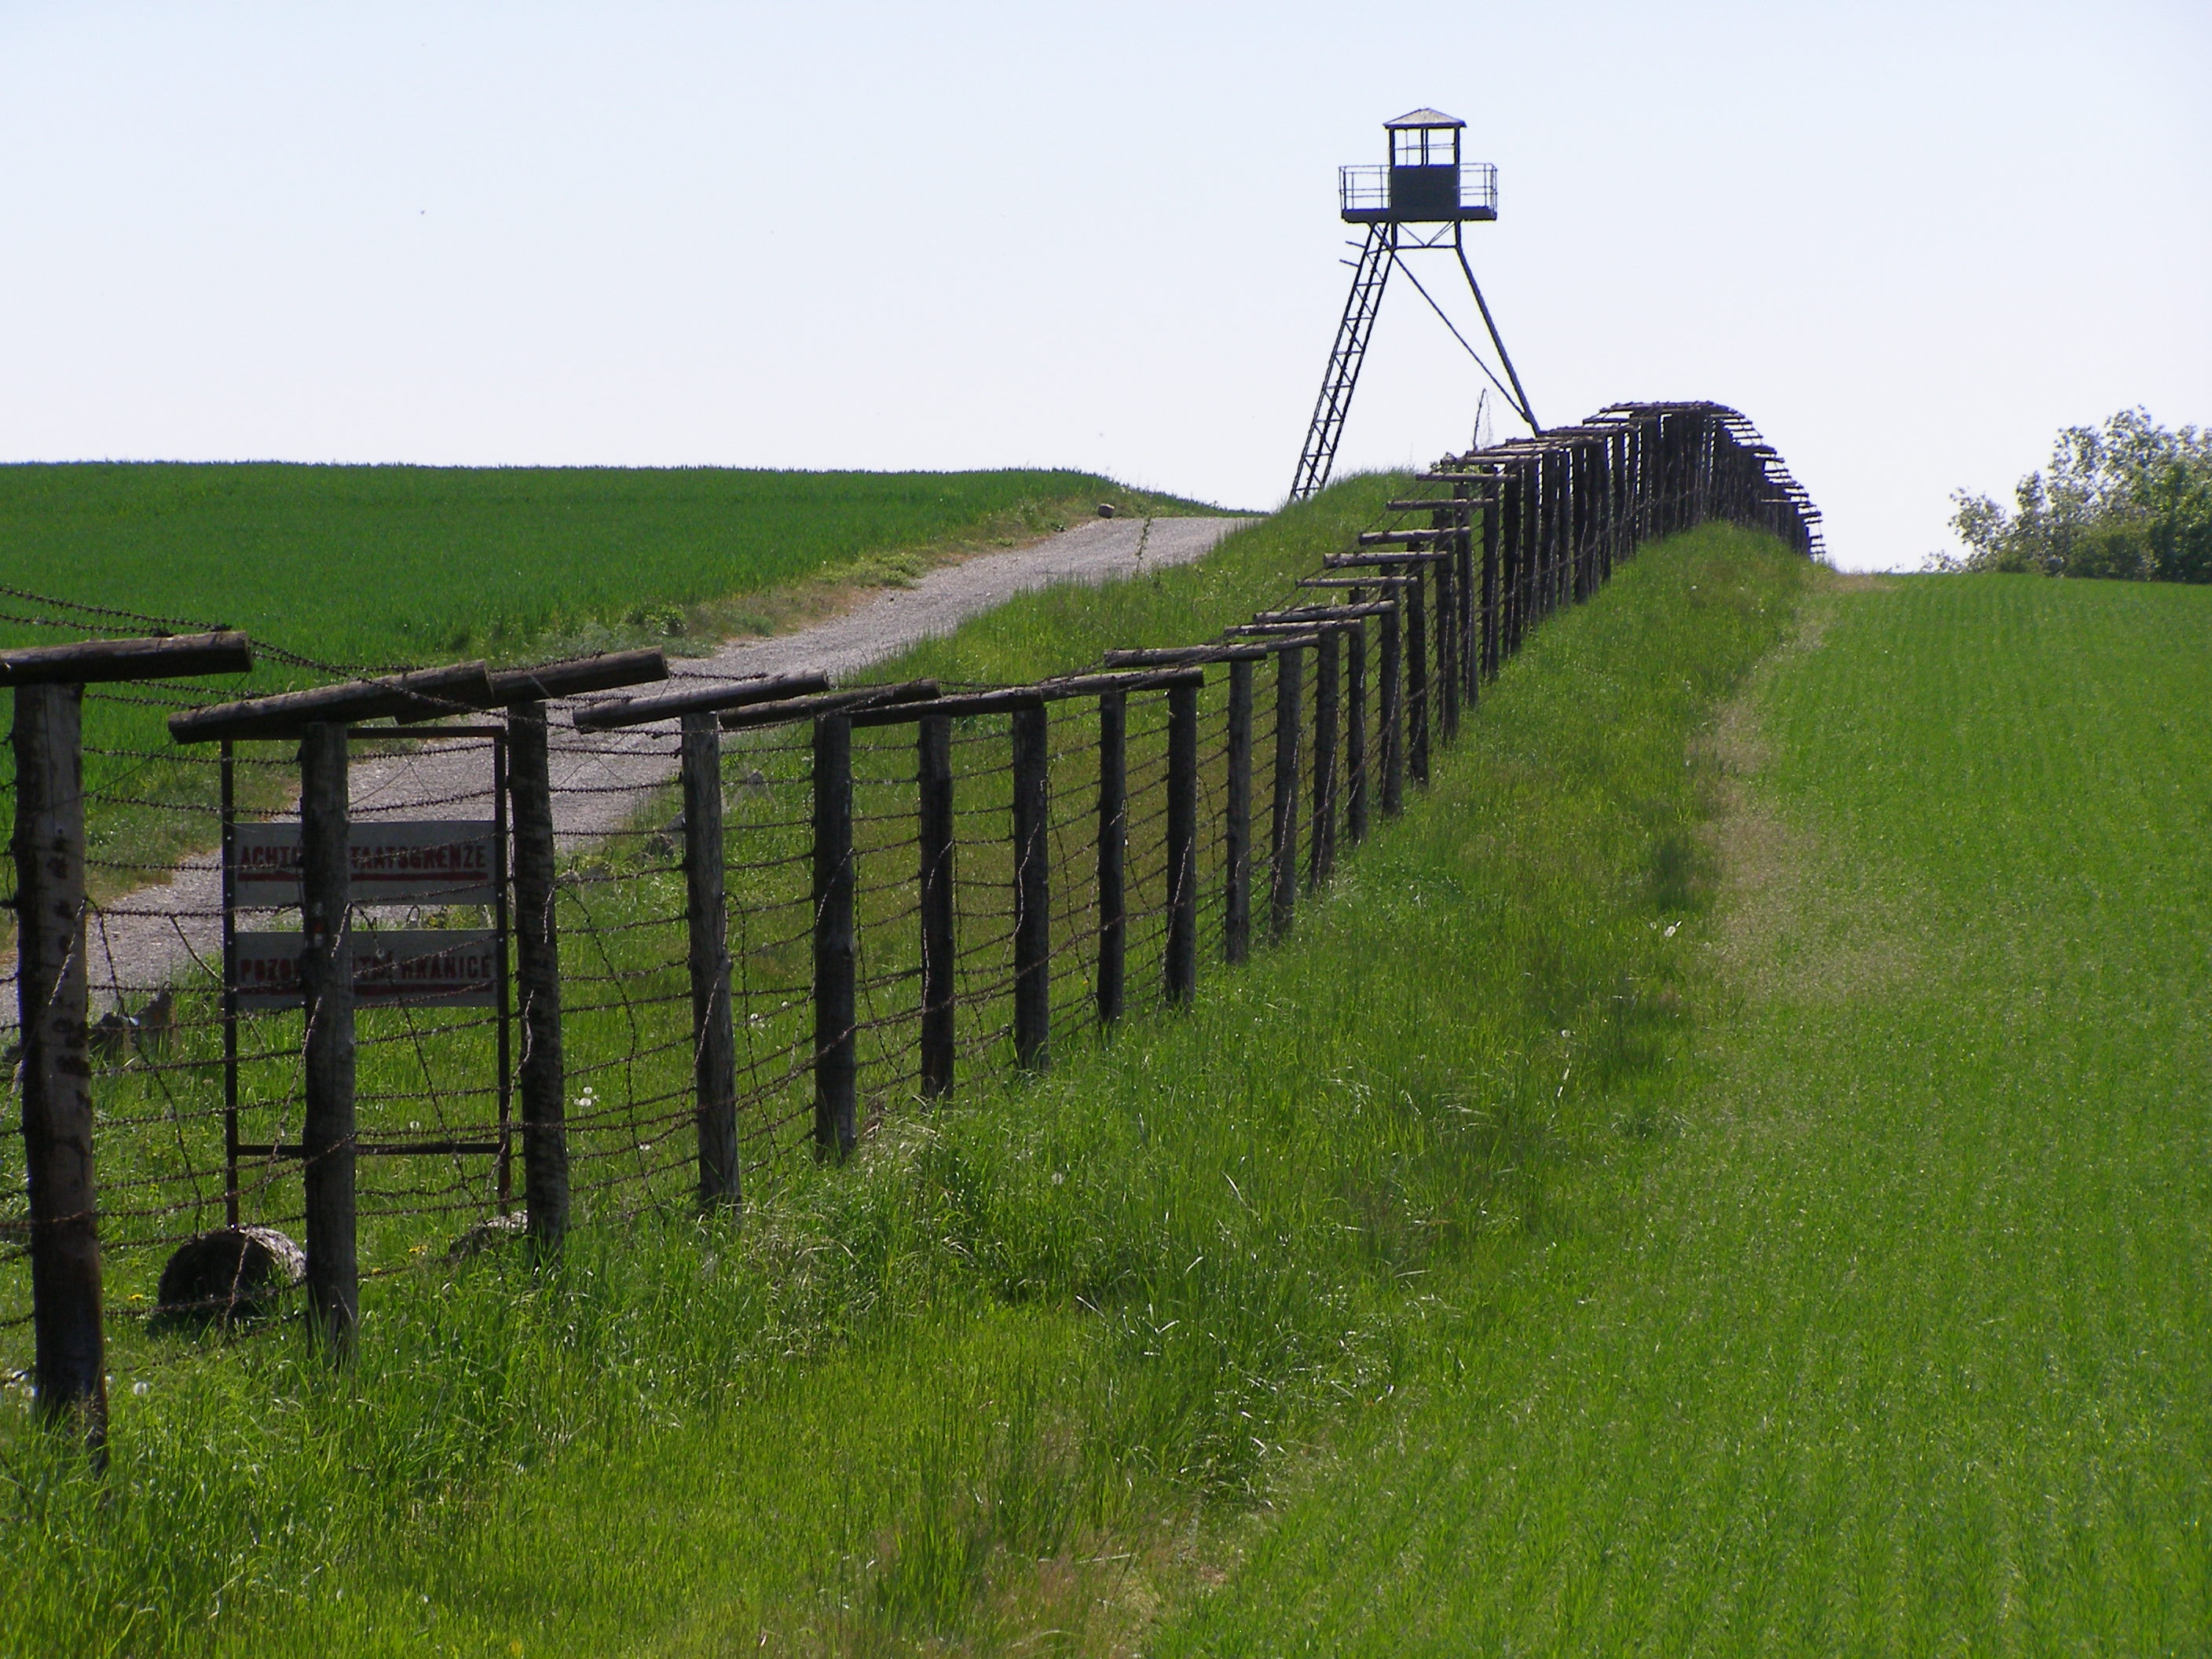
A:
[137,944]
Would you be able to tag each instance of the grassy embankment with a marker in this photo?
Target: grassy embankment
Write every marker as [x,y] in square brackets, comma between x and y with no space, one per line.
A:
[372,567]
[1007,1374]
[1899,1346]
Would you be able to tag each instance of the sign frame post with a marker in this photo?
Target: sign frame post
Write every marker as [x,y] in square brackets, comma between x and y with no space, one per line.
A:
[239,948]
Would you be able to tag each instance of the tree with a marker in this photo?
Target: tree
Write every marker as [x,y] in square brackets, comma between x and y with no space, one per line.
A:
[2128,501]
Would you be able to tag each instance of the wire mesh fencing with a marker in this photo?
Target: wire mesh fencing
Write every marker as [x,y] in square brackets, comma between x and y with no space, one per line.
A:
[581,954]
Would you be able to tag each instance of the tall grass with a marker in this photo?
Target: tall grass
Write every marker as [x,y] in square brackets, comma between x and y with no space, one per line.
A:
[1010,1372]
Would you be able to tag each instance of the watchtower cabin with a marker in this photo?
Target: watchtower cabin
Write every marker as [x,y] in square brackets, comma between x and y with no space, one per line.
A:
[1420,199]
[1426,181]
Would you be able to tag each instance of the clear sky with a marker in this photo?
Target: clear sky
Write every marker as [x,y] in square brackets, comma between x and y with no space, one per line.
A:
[1909,241]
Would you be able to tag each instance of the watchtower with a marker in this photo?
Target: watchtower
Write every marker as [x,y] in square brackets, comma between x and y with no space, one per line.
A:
[1422,197]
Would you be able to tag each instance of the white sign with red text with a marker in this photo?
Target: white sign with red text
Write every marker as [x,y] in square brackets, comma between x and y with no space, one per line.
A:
[408,861]
[448,967]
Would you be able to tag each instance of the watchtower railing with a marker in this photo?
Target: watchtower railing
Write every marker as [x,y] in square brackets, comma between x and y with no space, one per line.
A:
[1364,190]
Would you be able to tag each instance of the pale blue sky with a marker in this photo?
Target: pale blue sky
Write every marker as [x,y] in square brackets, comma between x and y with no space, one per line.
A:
[1909,241]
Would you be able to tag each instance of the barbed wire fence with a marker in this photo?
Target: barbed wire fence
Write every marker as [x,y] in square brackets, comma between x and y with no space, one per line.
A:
[547,946]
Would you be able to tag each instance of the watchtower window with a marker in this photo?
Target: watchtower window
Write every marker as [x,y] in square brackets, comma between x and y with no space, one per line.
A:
[1424,147]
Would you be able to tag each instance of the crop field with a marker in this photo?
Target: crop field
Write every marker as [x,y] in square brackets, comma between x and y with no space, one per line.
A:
[376,566]
[1892,1338]
[1024,1364]
[371,568]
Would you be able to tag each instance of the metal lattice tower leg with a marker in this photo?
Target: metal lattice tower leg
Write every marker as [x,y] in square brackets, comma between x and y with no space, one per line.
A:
[1369,275]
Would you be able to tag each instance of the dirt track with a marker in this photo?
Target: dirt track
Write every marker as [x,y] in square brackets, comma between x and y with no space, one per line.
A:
[139,943]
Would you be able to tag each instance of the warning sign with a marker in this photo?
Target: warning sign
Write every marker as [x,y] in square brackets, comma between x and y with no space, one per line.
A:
[448,967]
[410,861]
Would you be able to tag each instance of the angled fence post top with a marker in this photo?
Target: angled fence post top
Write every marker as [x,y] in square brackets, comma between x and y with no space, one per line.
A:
[98,662]
[427,694]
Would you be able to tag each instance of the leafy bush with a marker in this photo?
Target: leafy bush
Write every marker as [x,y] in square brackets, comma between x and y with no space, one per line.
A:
[2128,501]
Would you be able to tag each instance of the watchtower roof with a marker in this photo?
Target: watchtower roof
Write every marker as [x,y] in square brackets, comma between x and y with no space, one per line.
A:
[1424,117]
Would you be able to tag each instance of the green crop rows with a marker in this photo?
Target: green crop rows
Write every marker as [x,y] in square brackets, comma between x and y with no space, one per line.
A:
[369,568]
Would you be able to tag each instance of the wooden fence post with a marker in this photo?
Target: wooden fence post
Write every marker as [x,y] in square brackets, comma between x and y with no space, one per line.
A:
[1519,543]
[1320,849]
[71,1344]
[1416,672]
[1616,502]
[1532,549]
[1112,853]
[1493,511]
[1467,614]
[1032,889]
[542,1077]
[1236,832]
[1393,705]
[933,741]
[1564,593]
[836,954]
[706,915]
[1355,738]
[1582,510]
[1283,845]
[1446,722]
[1182,843]
[326,976]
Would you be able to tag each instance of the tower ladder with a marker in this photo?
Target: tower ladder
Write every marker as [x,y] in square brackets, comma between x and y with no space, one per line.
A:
[1369,274]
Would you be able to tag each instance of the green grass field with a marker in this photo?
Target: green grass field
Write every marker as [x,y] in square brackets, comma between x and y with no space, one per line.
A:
[382,565]
[1725,1173]
[370,567]
[1895,1342]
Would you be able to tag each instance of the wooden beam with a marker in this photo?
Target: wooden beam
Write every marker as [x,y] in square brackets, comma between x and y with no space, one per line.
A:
[98,662]
[1165,655]
[829,703]
[1007,699]
[602,672]
[1406,539]
[1322,615]
[713,699]
[1306,630]
[1355,560]
[427,694]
